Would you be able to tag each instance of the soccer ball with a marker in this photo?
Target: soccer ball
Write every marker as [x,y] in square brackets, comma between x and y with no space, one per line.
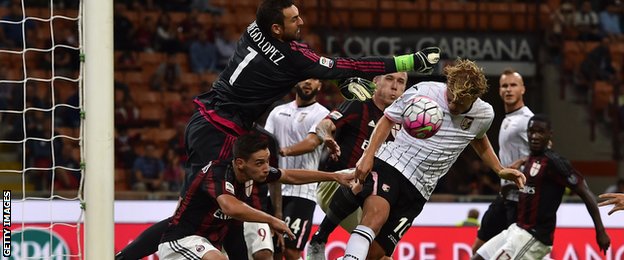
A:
[422,118]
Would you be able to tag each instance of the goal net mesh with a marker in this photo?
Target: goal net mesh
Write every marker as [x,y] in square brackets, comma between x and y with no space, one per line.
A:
[41,129]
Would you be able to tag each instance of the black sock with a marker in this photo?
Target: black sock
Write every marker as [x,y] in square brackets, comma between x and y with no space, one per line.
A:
[146,243]
[342,204]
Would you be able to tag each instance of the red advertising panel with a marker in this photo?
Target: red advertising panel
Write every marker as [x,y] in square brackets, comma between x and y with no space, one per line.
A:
[422,243]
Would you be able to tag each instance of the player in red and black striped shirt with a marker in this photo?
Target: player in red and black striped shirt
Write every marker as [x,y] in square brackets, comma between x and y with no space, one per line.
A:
[216,194]
[547,175]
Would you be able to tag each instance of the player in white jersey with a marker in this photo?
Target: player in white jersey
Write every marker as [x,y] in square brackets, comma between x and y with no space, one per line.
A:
[294,126]
[514,146]
[405,171]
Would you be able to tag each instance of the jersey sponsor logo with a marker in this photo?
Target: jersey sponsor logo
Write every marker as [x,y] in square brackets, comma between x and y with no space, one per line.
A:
[335,115]
[220,215]
[327,62]
[229,187]
[466,123]
[284,114]
[205,169]
[535,168]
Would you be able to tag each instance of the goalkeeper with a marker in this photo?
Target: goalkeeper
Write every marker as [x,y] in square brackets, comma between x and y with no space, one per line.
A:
[345,132]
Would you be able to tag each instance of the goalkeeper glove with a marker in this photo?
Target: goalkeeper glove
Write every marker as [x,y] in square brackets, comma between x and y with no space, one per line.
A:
[423,62]
[357,89]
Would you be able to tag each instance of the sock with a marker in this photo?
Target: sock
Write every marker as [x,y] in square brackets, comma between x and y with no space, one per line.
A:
[146,243]
[342,204]
[359,242]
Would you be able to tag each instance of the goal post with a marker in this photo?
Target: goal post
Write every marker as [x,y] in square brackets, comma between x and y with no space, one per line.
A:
[97,29]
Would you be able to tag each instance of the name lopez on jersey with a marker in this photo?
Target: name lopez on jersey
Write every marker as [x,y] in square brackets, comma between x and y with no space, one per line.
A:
[266,47]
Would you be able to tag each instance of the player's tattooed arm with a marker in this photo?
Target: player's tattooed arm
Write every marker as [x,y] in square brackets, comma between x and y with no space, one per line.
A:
[325,131]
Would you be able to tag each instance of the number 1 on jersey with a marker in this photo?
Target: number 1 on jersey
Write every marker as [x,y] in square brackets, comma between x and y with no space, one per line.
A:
[252,54]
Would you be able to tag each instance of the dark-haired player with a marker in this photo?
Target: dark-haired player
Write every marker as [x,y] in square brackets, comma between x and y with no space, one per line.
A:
[547,174]
[215,196]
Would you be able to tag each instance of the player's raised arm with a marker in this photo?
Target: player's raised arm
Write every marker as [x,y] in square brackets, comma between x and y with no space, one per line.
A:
[378,137]
[484,149]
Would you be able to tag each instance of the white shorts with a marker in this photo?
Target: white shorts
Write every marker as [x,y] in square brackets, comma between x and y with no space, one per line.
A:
[191,247]
[257,237]
[514,243]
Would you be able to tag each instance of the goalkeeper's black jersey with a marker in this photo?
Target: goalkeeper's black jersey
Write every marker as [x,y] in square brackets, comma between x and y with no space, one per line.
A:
[264,69]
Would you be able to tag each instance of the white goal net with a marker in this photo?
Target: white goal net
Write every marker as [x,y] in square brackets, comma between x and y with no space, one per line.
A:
[43,129]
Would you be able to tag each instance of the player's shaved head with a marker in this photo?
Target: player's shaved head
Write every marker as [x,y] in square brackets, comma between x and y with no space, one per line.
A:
[511,72]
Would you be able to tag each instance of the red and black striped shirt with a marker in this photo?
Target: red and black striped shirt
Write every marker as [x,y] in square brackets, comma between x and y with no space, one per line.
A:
[198,212]
[547,175]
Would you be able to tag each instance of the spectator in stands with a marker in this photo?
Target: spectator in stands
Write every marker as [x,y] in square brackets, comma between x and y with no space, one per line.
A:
[597,66]
[618,187]
[127,114]
[149,172]
[610,22]
[68,178]
[145,5]
[226,45]
[587,23]
[203,55]
[127,61]
[39,152]
[472,220]
[145,34]
[124,148]
[178,111]
[188,28]
[124,29]
[204,6]
[174,173]
[177,142]
[13,31]
[562,26]
[168,75]
[67,60]
[166,34]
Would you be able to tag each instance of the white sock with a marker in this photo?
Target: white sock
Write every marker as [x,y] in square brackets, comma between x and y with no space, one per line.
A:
[359,242]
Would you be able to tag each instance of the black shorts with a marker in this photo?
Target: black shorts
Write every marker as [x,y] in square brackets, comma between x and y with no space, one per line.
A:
[205,141]
[405,201]
[298,215]
[500,214]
